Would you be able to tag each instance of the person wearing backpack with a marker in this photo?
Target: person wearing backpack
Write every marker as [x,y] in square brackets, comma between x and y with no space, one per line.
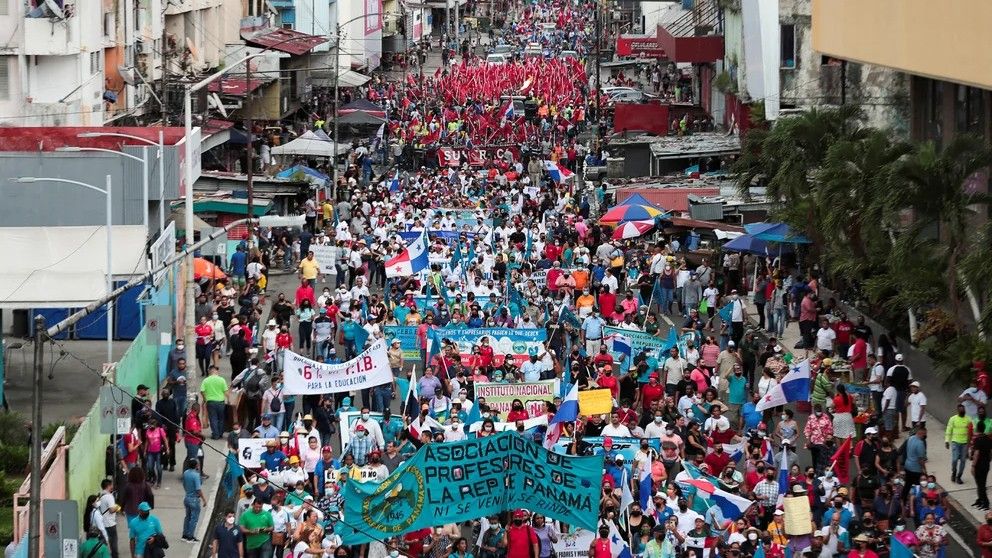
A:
[254,381]
[272,403]
[521,539]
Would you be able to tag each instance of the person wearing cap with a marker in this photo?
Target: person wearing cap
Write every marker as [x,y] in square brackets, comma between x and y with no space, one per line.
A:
[266,429]
[272,458]
[142,530]
[372,427]
[360,445]
[900,376]
[521,540]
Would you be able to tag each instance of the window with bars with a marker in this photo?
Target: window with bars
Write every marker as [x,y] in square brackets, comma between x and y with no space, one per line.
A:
[5,75]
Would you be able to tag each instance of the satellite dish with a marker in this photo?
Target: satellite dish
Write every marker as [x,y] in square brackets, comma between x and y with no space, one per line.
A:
[213,100]
[55,8]
[127,74]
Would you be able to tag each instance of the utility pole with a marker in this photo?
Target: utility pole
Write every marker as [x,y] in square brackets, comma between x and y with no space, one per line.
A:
[337,70]
[249,124]
[599,40]
[34,527]
[165,81]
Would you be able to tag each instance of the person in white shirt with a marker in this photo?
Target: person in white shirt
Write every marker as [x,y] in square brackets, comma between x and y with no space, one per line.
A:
[971,398]
[615,428]
[890,411]
[876,376]
[657,427]
[360,290]
[685,516]
[716,422]
[916,404]
[454,432]
[108,509]
[825,337]
[371,426]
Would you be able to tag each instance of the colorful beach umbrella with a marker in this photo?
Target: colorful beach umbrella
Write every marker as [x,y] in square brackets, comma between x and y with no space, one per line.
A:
[624,213]
[632,229]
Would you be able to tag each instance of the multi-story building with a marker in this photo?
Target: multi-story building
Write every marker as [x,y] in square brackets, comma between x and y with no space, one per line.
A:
[771,65]
[942,50]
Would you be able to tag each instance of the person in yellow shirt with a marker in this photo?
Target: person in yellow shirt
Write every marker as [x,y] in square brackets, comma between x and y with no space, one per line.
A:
[310,269]
[328,211]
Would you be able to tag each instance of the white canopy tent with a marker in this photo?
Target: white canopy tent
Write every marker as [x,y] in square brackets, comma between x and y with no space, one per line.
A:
[309,145]
[55,267]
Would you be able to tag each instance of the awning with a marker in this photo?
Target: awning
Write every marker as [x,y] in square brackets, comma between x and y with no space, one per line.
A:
[348,78]
[283,40]
[58,267]
[236,86]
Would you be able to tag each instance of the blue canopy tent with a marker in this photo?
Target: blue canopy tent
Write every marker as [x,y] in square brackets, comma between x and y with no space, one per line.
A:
[753,245]
[310,174]
[775,232]
[637,199]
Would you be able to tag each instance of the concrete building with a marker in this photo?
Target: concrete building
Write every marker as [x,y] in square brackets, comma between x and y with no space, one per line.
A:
[941,50]
[780,70]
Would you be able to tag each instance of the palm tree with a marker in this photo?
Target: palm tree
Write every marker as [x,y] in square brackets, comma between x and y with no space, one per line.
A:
[941,186]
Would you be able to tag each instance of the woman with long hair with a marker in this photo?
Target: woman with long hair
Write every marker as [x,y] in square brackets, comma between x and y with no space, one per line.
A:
[92,518]
[135,491]
[844,408]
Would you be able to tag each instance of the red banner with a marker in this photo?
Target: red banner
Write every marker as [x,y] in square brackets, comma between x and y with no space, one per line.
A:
[477,156]
[639,45]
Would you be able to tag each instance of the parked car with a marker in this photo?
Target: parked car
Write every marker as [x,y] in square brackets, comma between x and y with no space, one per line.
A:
[497,59]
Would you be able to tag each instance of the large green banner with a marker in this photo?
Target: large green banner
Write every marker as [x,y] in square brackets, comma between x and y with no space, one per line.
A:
[457,481]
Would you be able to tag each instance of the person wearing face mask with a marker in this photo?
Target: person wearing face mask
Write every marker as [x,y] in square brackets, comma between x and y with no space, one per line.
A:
[517,412]
[819,428]
[521,540]
[372,427]
[600,546]
[226,542]
[766,494]
[487,429]
[932,537]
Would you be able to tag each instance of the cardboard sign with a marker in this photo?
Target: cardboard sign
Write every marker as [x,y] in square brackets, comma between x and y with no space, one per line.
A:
[595,402]
[798,520]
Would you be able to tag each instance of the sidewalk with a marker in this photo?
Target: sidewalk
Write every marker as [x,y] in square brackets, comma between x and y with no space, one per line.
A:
[964,519]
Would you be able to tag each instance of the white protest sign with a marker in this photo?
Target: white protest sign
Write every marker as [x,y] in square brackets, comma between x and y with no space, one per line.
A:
[325,255]
[249,451]
[501,426]
[574,545]
[302,376]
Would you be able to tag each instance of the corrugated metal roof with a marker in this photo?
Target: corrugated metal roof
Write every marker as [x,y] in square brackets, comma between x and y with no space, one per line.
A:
[671,199]
[50,138]
[236,86]
[284,40]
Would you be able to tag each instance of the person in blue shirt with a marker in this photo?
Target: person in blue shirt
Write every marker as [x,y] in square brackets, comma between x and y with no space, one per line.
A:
[192,500]
[142,528]
[325,471]
[615,468]
[838,508]
[239,266]
[391,428]
[592,332]
[750,415]
[348,330]
[272,458]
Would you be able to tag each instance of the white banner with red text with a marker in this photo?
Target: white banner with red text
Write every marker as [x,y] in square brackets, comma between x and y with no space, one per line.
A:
[302,376]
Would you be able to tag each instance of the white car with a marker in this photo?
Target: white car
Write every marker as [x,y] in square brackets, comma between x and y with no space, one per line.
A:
[496,59]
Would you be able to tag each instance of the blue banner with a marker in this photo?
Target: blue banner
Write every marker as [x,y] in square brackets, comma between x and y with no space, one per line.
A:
[457,481]
[627,447]
[504,341]
[408,339]
[639,341]
[448,236]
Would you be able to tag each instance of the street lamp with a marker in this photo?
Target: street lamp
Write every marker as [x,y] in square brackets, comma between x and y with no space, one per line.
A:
[34,534]
[161,168]
[144,163]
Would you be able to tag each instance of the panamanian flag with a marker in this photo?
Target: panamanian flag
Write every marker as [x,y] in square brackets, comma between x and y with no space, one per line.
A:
[394,183]
[508,112]
[558,173]
[412,260]
[794,387]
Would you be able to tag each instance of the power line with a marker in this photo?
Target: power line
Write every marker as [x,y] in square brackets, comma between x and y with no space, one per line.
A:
[288,489]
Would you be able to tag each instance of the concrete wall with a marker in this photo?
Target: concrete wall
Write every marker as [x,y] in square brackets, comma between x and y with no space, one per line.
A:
[87,463]
[65,204]
[913,36]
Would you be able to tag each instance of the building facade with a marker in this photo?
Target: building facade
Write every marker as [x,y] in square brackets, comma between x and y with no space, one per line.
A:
[940,50]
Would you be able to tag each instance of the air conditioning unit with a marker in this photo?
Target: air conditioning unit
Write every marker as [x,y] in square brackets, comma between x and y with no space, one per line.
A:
[140,47]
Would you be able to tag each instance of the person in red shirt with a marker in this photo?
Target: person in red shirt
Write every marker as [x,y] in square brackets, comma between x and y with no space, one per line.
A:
[521,540]
[415,541]
[305,292]
[606,379]
[193,436]
[985,536]
[204,344]
[843,328]
[603,358]
[718,459]
[517,412]
[607,303]
[486,356]
[859,358]
[422,337]
[651,392]
[284,339]
[625,413]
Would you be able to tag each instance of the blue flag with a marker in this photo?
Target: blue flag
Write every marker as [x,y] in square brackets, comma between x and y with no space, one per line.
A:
[569,317]
[656,292]
[727,313]
[514,300]
[361,338]
[456,257]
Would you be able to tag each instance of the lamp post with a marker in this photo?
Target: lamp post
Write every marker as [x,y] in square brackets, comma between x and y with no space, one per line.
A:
[161,168]
[144,163]
[34,534]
